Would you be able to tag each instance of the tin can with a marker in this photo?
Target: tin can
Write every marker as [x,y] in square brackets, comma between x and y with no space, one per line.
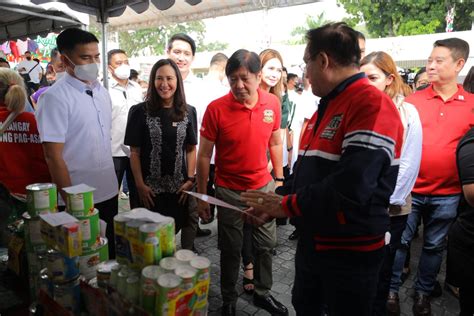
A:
[114,275]
[122,281]
[62,268]
[90,228]
[33,239]
[203,279]
[167,237]
[184,256]
[80,204]
[169,264]
[104,272]
[202,265]
[90,260]
[41,198]
[188,277]
[150,274]
[132,289]
[132,232]
[148,298]
[169,287]
[68,295]
[123,253]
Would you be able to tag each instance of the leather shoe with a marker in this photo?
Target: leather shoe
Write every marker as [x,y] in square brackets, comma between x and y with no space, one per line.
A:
[202,232]
[422,306]
[294,235]
[393,304]
[228,310]
[270,304]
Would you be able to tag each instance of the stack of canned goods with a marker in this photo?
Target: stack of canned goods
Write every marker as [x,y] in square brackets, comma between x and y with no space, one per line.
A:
[41,198]
[139,244]
[81,206]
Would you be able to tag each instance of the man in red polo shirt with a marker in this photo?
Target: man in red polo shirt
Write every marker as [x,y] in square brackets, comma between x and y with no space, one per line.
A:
[446,113]
[242,125]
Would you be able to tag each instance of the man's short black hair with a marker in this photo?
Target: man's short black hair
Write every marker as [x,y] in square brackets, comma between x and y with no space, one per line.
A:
[291,76]
[54,53]
[338,41]
[133,74]
[243,58]
[27,52]
[219,58]
[69,38]
[459,48]
[4,61]
[185,38]
[112,52]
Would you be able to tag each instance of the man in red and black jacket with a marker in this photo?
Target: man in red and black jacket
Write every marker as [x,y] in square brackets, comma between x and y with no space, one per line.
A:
[346,171]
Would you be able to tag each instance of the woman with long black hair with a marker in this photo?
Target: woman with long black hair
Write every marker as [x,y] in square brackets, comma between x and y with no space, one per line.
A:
[161,133]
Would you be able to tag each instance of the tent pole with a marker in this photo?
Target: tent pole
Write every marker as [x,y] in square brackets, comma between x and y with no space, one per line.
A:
[104,55]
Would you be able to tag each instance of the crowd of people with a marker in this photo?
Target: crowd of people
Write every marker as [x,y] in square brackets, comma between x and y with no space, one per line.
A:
[354,156]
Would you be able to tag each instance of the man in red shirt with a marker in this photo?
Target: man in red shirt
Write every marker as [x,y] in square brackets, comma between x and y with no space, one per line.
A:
[242,125]
[446,113]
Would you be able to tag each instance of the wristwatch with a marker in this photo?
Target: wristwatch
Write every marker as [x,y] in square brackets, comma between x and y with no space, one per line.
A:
[192,179]
[279,179]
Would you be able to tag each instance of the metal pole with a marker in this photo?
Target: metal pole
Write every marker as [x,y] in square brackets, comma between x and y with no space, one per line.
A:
[104,55]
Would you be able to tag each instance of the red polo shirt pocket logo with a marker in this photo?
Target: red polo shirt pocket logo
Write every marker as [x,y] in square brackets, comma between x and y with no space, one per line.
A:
[268,116]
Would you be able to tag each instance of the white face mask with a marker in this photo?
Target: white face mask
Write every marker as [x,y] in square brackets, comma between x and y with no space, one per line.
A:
[122,72]
[87,72]
[59,75]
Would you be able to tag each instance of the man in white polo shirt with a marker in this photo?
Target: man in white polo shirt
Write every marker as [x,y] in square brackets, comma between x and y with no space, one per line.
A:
[74,121]
[124,94]
[181,49]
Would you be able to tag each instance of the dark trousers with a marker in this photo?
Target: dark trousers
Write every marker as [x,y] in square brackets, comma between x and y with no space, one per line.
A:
[167,205]
[121,165]
[397,226]
[345,281]
[247,245]
[107,211]
[210,187]
[466,302]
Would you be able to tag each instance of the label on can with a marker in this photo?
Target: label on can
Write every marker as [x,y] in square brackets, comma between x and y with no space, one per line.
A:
[167,237]
[90,228]
[90,260]
[168,290]
[148,297]
[188,275]
[41,198]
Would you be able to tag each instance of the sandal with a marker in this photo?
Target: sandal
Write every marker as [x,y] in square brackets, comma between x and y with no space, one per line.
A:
[247,283]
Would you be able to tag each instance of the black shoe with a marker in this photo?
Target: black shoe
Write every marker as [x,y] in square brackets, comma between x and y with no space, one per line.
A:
[202,232]
[422,305]
[437,290]
[270,304]
[294,235]
[273,251]
[228,310]
[393,304]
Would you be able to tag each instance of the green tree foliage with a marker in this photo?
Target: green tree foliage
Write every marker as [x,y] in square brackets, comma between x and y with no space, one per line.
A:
[407,17]
[311,22]
[155,39]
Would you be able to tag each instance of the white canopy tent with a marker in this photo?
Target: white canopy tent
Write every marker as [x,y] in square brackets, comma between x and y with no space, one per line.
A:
[133,14]
[20,19]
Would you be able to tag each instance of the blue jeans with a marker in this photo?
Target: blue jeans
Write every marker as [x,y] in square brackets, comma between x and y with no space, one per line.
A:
[438,213]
